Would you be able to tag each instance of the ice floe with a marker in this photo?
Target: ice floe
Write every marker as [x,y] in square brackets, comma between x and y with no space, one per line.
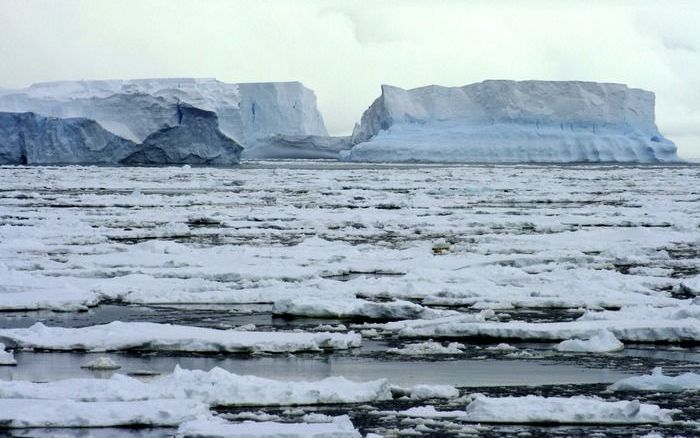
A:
[102,363]
[33,413]
[215,387]
[635,330]
[658,381]
[601,342]
[166,337]
[355,308]
[428,348]
[337,427]
[563,410]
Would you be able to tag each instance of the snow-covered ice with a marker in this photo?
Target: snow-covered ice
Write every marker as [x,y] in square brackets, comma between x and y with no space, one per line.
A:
[624,326]
[601,342]
[565,252]
[355,308]
[512,121]
[215,387]
[658,381]
[338,427]
[563,410]
[28,413]
[167,337]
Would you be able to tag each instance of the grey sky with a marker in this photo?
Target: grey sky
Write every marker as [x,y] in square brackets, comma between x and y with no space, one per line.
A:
[344,50]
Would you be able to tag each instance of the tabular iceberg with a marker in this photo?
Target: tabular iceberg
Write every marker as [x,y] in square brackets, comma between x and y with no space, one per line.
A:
[512,121]
[137,110]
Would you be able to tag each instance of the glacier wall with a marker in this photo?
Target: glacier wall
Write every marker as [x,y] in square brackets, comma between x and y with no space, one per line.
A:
[135,109]
[512,121]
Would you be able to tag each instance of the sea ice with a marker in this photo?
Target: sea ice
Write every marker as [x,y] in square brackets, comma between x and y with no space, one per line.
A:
[625,328]
[355,308]
[338,427]
[657,381]
[215,387]
[601,342]
[427,348]
[166,337]
[563,410]
[33,413]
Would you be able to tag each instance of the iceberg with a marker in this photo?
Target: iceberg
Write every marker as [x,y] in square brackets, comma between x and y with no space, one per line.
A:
[138,110]
[196,140]
[512,121]
[28,138]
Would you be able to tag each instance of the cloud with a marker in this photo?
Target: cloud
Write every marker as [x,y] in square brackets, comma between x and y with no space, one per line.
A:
[344,50]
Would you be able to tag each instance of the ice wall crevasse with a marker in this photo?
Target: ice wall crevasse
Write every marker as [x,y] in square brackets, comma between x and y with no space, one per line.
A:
[512,121]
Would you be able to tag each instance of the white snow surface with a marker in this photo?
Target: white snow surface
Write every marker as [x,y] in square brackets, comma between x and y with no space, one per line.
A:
[601,342]
[658,381]
[563,410]
[338,427]
[512,121]
[215,387]
[135,108]
[119,335]
[28,413]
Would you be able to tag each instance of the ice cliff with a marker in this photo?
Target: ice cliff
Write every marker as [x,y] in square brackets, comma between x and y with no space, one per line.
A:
[135,110]
[512,121]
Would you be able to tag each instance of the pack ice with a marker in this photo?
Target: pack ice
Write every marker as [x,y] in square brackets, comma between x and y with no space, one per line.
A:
[512,121]
[159,121]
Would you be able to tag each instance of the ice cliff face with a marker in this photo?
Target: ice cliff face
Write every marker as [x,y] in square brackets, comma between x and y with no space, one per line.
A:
[136,109]
[195,140]
[27,138]
[511,121]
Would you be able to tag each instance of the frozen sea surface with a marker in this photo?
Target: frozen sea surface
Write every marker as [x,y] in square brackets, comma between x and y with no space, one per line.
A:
[486,254]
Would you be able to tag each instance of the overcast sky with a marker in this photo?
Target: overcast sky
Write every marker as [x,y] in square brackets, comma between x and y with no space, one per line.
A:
[344,50]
